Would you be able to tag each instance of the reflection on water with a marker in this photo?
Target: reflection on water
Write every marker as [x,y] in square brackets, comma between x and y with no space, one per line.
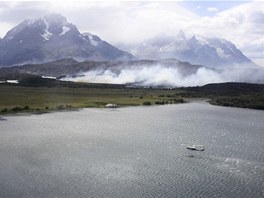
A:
[134,152]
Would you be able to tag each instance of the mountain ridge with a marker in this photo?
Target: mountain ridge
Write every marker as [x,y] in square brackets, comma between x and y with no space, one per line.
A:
[211,52]
[52,38]
[70,67]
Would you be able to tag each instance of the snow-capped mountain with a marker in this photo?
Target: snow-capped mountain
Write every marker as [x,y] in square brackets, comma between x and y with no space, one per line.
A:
[211,52]
[51,38]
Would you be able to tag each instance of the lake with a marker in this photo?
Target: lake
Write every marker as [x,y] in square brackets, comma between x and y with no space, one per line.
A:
[134,152]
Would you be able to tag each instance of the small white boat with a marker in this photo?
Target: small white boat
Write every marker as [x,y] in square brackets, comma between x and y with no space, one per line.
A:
[111,105]
[196,147]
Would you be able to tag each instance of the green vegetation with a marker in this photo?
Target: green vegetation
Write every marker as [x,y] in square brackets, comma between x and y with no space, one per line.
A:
[44,95]
[250,101]
[147,103]
[241,95]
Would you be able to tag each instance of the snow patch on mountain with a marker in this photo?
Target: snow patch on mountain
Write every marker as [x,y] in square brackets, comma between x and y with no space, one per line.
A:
[46,23]
[221,53]
[94,40]
[46,35]
[65,29]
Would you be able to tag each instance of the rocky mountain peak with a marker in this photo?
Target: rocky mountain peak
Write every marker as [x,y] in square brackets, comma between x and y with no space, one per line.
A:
[56,24]
[51,38]
[197,50]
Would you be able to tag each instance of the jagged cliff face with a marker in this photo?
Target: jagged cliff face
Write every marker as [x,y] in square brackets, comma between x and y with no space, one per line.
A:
[51,38]
[211,52]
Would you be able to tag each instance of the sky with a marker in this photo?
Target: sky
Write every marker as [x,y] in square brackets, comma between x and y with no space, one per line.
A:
[241,22]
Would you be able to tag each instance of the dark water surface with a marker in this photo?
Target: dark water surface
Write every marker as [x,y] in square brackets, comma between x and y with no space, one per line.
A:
[134,152]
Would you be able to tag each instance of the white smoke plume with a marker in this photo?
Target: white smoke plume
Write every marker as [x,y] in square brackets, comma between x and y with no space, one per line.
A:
[158,75]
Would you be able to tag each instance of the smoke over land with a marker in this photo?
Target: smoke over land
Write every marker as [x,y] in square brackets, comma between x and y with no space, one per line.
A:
[160,75]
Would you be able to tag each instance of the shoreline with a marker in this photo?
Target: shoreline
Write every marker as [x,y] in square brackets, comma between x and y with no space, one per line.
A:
[75,109]
[15,99]
[186,101]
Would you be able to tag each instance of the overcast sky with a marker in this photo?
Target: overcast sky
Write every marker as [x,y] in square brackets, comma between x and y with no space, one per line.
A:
[241,22]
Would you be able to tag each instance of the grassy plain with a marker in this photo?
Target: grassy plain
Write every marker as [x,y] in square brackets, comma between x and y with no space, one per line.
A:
[14,98]
[43,95]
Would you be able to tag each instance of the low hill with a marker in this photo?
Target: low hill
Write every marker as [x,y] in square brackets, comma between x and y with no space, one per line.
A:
[70,67]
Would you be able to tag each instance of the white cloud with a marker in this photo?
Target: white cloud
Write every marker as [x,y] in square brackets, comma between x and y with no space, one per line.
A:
[128,22]
[212,9]
[114,21]
[134,21]
[243,25]
[157,75]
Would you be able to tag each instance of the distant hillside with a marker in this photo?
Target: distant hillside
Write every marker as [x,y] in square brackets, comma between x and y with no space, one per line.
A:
[70,67]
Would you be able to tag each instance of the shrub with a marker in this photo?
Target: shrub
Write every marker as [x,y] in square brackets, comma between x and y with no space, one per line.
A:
[147,103]
[60,107]
[4,110]
[160,102]
[179,100]
[16,109]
